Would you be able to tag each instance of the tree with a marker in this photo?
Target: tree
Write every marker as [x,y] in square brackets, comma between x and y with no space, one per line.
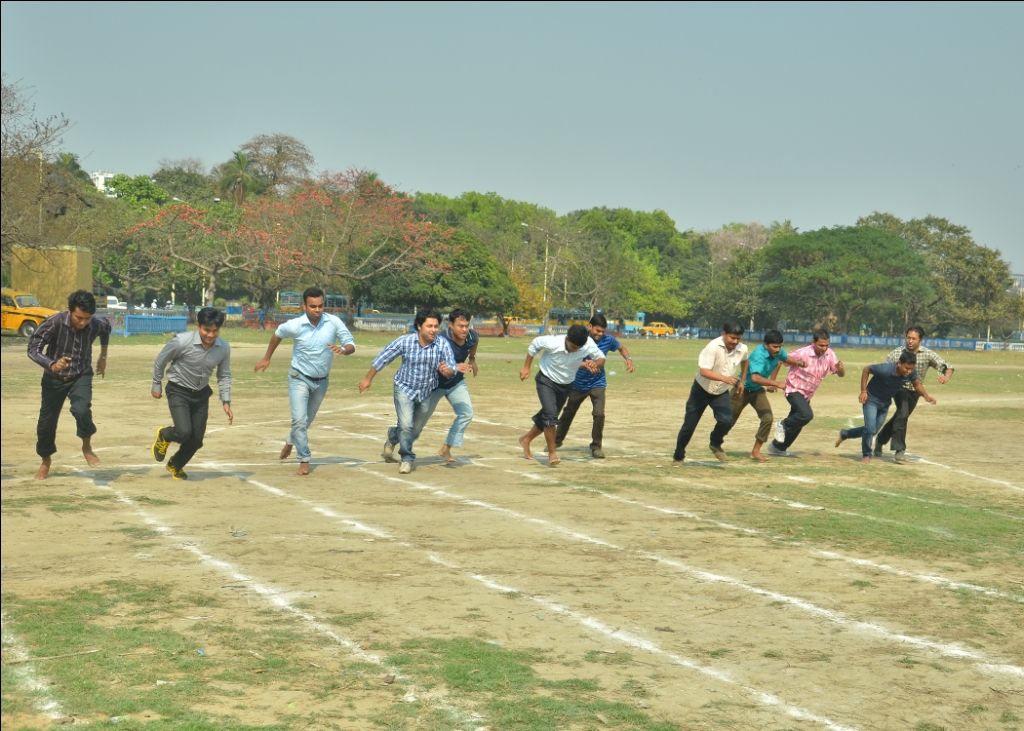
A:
[280,160]
[139,191]
[840,278]
[185,181]
[237,178]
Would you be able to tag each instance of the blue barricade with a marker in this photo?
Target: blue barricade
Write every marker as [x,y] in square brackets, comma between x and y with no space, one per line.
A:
[136,324]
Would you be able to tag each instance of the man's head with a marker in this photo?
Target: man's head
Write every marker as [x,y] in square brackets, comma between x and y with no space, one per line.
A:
[458,323]
[209,320]
[773,341]
[914,337]
[313,303]
[598,326]
[82,306]
[576,338]
[821,341]
[905,364]
[427,323]
[732,334]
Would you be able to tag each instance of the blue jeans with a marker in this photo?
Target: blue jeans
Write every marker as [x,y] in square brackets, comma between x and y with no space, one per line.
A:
[874,417]
[304,397]
[412,417]
[458,397]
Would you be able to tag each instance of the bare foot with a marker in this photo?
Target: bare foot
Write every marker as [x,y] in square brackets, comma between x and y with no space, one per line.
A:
[446,452]
[90,457]
[525,444]
[758,456]
[303,468]
[44,469]
[285,451]
[553,460]
[865,460]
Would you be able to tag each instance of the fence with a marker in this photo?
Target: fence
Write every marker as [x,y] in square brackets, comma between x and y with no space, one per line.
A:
[138,324]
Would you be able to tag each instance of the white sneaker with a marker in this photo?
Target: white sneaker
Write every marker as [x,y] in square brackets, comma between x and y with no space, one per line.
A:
[780,431]
[405,468]
[774,451]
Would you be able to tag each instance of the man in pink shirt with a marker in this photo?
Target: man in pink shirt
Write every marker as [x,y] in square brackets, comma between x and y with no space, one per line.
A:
[801,383]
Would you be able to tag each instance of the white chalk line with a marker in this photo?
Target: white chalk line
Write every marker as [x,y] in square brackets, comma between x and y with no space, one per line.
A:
[764,697]
[39,689]
[965,473]
[279,599]
[951,650]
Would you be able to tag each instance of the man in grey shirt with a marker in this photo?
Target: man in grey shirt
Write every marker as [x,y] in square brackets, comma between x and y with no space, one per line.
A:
[190,359]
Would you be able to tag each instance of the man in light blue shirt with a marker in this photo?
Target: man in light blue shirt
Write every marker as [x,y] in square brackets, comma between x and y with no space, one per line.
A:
[425,357]
[318,336]
[563,356]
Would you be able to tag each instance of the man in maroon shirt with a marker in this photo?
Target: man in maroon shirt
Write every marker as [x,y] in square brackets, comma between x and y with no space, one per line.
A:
[62,346]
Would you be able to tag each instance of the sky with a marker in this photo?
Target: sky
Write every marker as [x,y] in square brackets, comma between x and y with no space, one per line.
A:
[716,113]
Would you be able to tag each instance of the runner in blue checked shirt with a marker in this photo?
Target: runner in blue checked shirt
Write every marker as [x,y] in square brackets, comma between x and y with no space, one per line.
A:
[319,336]
[592,385]
[463,341]
[425,357]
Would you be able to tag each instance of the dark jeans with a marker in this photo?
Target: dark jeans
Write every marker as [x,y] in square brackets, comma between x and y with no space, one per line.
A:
[189,411]
[696,404]
[572,405]
[54,393]
[552,398]
[896,428]
[800,415]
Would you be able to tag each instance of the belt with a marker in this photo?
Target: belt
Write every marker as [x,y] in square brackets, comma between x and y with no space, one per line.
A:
[309,378]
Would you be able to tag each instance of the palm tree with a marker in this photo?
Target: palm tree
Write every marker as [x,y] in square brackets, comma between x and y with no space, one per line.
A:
[236,177]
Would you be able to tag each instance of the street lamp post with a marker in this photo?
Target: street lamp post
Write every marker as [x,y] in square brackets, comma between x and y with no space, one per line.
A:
[544,291]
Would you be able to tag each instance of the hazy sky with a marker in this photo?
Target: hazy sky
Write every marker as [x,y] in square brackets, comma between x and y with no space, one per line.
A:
[714,113]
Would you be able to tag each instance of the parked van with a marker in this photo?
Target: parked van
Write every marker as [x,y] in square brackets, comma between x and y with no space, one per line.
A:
[22,312]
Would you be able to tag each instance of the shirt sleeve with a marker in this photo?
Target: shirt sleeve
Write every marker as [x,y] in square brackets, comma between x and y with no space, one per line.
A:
[536,345]
[706,359]
[104,328]
[447,354]
[343,335]
[939,364]
[39,340]
[391,351]
[224,374]
[164,359]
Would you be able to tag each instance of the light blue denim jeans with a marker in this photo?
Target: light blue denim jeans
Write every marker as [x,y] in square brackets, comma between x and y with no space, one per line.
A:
[458,397]
[304,397]
[412,417]
[874,418]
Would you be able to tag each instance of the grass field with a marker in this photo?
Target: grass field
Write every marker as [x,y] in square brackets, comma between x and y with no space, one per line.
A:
[498,593]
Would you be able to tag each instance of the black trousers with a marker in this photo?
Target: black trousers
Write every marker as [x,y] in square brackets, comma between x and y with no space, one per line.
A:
[189,411]
[896,428]
[696,405]
[55,392]
[800,415]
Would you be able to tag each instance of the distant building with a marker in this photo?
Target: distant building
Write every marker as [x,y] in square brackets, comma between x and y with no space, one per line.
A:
[99,179]
[1018,284]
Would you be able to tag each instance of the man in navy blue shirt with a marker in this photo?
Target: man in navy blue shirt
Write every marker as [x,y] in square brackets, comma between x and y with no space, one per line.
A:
[886,381]
[592,385]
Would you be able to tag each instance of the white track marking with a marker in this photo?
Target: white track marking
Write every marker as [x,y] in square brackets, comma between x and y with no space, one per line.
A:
[39,689]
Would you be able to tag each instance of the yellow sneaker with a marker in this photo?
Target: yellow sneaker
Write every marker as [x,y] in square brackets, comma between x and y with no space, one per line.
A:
[176,473]
[160,447]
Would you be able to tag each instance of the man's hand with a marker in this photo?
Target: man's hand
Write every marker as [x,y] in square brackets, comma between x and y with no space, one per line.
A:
[365,384]
[156,394]
[61,364]
[261,365]
[863,398]
[101,365]
[230,413]
[524,373]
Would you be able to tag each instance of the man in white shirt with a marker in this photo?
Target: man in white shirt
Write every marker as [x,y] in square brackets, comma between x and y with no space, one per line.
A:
[562,357]
[718,365]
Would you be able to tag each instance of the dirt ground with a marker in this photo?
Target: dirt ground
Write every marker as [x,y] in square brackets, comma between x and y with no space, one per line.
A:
[723,618]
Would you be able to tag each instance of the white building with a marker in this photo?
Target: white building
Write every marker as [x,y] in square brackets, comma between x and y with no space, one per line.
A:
[99,179]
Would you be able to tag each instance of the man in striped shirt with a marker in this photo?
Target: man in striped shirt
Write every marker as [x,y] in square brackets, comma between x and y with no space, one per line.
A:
[62,346]
[906,399]
[425,357]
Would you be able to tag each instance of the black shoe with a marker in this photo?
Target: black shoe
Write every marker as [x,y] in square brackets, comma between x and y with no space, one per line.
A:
[597,453]
[160,447]
[176,473]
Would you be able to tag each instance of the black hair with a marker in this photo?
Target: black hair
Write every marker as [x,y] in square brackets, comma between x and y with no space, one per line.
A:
[599,320]
[210,316]
[82,300]
[578,335]
[821,334]
[772,336]
[459,312]
[732,328]
[424,315]
[311,292]
[908,357]
[915,329]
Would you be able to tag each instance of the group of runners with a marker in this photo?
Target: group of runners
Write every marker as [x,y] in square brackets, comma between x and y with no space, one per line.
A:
[434,364]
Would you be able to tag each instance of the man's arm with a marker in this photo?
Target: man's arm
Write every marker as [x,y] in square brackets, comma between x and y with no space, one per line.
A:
[524,372]
[864,375]
[224,384]
[166,356]
[264,362]
[713,375]
[919,387]
[624,352]
[101,362]
[367,381]
[38,342]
